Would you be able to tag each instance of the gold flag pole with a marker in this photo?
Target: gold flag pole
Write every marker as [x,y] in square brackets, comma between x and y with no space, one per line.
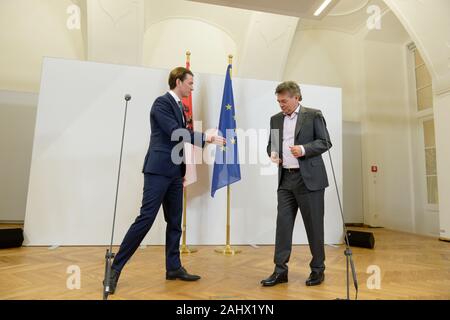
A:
[228,250]
[184,249]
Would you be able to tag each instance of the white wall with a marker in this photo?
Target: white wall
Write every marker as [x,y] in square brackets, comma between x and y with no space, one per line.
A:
[259,41]
[77,143]
[373,75]
[29,31]
[115,30]
[196,22]
[388,199]
[430,31]
[441,122]
[352,167]
[326,57]
[34,29]
[17,119]
[161,52]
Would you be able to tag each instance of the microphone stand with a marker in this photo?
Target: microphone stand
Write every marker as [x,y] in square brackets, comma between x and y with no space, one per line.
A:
[348,252]
[109,254]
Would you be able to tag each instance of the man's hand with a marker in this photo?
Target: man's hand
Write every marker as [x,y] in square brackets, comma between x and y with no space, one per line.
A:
[218,140]
[296,151]
[275,157]
[214,138]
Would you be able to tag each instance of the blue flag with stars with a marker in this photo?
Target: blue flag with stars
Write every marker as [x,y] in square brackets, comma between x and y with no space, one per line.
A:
[226,165]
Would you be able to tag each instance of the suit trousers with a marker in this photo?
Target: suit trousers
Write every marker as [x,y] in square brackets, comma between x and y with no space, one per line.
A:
[158,190]
[292,194]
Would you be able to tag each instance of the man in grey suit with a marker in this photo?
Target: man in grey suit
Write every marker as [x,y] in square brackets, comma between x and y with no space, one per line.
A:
[298,138]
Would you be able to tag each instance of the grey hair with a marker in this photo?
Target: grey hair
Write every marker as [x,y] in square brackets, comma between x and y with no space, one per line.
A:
[290,87]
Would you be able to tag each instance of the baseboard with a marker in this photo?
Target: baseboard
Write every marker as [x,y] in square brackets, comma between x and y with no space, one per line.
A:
[361,225]
[14,222]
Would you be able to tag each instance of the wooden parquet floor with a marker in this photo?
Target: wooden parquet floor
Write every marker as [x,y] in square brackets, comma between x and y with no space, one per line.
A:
[411,267]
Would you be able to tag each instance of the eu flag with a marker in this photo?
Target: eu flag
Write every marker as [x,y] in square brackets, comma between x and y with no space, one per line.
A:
[226,165]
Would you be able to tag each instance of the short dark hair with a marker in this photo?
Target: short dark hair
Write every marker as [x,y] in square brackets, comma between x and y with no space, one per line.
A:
[178,73]
[290,87]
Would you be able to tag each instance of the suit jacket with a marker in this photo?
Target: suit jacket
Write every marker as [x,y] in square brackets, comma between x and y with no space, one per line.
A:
[165,118]
[311,132]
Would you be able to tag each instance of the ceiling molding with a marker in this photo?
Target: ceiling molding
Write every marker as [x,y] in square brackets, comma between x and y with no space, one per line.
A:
[334,29]
[187,17]
[352,11]
[295,8]
[356,30]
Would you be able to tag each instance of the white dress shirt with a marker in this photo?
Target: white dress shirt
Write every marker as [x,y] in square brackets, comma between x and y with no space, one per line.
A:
[290,121]
[177,100]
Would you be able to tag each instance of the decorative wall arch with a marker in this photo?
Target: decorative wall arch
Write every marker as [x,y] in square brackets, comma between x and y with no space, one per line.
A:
[167,40]
[437,62]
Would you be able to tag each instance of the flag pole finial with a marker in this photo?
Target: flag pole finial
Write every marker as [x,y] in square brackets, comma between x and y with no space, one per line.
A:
[188,55]
[230,59]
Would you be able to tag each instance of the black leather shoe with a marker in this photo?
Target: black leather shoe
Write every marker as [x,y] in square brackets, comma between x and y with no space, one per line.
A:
[274,279]
[181,274]
[315,278]
[113,278]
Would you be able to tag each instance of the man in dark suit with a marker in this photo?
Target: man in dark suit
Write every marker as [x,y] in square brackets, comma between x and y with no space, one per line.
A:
[298,138]
[164,170]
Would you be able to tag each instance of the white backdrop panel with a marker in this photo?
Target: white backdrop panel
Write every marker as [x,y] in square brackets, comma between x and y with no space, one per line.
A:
[77,145]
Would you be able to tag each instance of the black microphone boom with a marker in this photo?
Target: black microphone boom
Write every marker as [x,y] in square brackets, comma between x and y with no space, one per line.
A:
[348,251]
[109,254]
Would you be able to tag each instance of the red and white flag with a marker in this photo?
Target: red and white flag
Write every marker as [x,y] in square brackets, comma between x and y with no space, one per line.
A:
[190,150]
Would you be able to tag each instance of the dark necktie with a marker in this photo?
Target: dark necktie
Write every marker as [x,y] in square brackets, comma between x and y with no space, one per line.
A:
[180,105]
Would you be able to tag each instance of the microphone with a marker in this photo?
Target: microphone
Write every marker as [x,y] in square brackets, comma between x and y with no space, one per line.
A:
[348,251]
[109,253]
